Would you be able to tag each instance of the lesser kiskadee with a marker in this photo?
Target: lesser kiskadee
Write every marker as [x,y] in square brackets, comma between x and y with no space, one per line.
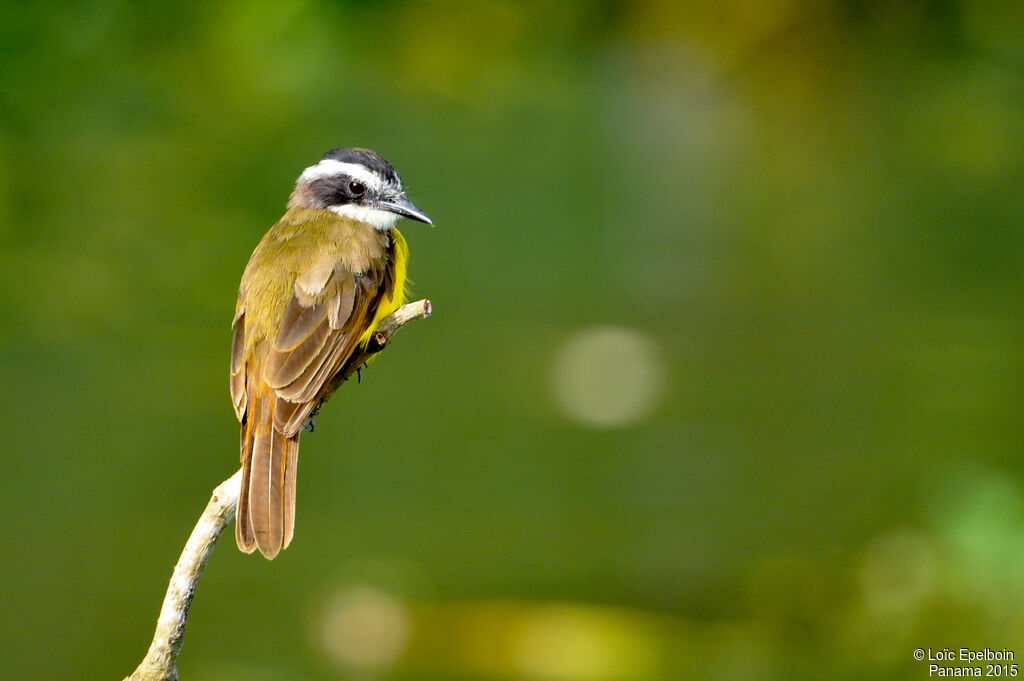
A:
[315,288]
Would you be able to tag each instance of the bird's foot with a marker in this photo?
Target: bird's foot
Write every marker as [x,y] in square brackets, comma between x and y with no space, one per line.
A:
[311,423]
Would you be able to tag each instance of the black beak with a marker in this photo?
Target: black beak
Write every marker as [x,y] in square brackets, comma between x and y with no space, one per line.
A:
[401,205]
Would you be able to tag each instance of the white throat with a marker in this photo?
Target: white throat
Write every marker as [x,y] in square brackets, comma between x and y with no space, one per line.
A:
[379,219]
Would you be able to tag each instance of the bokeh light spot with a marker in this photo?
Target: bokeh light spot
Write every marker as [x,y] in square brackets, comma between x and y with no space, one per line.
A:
[364,628]
[608,376]
[898,571]
[579,643]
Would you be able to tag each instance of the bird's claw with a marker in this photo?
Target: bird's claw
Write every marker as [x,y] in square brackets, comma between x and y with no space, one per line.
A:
[311,423]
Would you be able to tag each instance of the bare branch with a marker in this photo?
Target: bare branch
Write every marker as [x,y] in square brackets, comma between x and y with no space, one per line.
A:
[161,662]
[387,328]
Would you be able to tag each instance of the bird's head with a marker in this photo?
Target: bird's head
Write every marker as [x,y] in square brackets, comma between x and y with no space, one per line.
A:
[356,184]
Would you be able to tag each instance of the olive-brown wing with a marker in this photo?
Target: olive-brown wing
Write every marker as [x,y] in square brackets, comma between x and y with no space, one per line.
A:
[238,390]
[314,341]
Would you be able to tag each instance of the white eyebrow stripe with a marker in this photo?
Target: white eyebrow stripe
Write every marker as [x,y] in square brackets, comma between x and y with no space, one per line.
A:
[330,168]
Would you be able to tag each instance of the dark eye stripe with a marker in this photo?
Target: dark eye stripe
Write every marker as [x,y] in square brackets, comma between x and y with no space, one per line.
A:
[338,190]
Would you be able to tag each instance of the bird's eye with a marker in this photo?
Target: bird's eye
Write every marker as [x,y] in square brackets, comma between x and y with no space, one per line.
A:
[357,188]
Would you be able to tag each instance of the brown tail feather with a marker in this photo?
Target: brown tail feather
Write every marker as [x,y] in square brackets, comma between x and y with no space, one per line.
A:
[243,522]
[291,464]
[266,503]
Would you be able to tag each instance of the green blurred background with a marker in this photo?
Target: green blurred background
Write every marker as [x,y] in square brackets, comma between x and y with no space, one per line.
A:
[725,374]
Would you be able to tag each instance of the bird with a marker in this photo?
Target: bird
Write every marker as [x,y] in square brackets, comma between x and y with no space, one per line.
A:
[314,291]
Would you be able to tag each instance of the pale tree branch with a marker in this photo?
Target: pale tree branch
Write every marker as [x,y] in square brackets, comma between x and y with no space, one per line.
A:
[161,662]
